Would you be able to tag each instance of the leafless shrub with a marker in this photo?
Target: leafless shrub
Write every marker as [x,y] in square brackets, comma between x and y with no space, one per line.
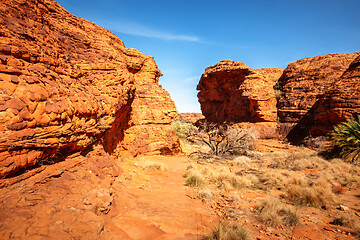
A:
[224,139]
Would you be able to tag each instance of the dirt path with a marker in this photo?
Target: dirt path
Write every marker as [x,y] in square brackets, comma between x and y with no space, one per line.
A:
[157,204]
[97,197]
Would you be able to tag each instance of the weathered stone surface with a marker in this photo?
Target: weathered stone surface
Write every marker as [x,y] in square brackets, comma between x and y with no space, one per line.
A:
[303,81]
[66,83]
[231,91]
[340,102]
[189,117]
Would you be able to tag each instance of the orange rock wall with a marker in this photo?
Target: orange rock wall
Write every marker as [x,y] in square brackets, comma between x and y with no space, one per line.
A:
[189,117]
[303,81]
[340,102]
[66,83]
[231,91]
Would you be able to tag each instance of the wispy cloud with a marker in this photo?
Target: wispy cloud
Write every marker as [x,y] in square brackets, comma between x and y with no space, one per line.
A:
[143,31]
[192,79]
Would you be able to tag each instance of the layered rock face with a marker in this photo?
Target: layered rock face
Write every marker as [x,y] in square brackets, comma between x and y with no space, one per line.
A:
[340,102]
[231,91]
[66,83]
[303,81]
[189,117]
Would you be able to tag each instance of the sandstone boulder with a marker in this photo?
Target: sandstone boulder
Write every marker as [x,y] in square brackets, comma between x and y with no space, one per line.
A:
[66,83]
[233,92]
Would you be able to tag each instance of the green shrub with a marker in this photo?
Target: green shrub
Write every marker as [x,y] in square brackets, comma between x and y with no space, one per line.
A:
[182,129]
[346,136]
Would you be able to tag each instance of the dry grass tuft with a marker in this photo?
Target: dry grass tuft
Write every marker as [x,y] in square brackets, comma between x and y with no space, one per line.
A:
[275,179]
[314,193]
[347,221]
[229,231]
[205,194]
[222,176]
[154,166]
[273,212]
[194,178]
[241,161]
[298,161]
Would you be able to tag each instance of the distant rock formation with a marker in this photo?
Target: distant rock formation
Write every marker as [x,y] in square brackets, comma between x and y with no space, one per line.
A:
[305,80]
[66,83]
[233,92]
[313,94]
[340,102]
[189,117]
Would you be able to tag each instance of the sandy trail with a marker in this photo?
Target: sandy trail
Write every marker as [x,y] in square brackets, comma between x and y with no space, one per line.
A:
[157,205]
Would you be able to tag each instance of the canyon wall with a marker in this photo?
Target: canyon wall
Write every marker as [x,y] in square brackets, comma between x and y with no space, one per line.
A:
[306,99]
[66,83]
[340,102]
[305,80]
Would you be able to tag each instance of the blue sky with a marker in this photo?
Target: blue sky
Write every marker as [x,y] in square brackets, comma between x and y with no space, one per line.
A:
[187,36]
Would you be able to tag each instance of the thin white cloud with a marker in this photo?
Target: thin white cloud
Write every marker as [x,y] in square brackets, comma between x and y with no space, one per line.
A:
[192,79]
[143,31]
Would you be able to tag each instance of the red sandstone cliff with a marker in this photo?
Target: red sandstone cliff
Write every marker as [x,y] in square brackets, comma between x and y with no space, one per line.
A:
[66,83]
[303,81]
[189,117]
[340,102]
[231,91]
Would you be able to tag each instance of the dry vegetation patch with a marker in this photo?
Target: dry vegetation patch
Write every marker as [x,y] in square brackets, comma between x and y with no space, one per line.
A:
[301,179]
[228,231]
[272,212]
[221,176]
[153,166]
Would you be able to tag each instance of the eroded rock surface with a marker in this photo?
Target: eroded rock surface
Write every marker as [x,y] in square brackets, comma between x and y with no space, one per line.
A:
[232,91]
[340,102]
[189,117]
[66,83]
[303,81]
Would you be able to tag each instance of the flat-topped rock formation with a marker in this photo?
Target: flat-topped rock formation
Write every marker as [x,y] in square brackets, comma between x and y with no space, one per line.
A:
[233,92]
[66,83]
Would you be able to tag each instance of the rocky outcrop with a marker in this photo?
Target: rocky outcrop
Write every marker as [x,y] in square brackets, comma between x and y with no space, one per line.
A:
[231,91]
[66,83]
[303,81]
[340,102]
[189,117]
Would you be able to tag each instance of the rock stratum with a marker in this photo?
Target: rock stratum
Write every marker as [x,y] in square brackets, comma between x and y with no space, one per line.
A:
[66,83]
[311,95]
[233,92]
[305,80]
[189,117]
[340,101]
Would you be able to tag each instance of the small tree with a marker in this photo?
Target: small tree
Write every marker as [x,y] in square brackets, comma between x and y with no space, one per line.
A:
[346,136]
[221,138]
